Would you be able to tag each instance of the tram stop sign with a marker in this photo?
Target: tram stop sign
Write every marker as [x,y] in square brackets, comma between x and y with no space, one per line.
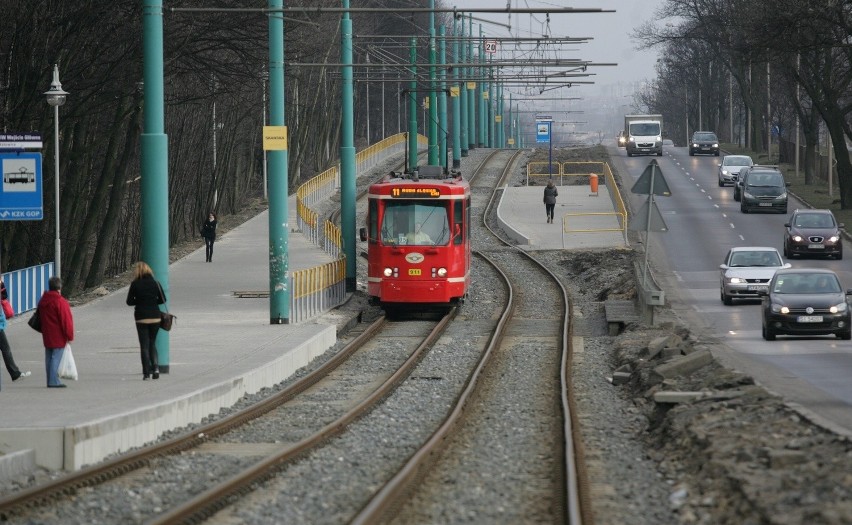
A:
[652,175]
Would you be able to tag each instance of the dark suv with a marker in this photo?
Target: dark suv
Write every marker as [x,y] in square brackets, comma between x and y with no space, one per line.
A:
[704,142]
[761,188]
[812,232]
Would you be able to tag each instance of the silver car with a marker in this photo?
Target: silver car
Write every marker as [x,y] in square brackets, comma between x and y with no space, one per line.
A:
[747,271]
[729,168]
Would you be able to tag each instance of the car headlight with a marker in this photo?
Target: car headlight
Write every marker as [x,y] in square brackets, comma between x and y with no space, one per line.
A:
[694,145]
[736,280]
[834,238]
[839,308]
[747,195]
[659,138]
[715,145]
[797,238]
[778,309]
[724,172]
[782,197]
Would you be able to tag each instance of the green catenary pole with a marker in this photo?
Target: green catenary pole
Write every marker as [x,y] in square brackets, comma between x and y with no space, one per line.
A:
[458,104]
[279,290]
[412,109]
[471,93]
[347,154]
[433,98]
[154,186]
[442,98]
[459,56]
[483,104]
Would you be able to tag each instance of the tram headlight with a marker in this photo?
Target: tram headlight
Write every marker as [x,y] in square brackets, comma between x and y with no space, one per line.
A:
[442,272]
[388,272]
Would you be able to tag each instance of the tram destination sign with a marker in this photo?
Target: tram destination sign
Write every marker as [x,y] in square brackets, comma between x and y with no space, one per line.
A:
[416,192]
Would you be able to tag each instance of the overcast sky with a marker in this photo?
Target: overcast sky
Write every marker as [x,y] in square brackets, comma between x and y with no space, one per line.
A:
[610,32]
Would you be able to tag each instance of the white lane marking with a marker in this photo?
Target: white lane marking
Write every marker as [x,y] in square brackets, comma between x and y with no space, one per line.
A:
[733,227]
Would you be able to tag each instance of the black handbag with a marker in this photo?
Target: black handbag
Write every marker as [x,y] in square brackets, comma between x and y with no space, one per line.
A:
[166,320]
[35,321]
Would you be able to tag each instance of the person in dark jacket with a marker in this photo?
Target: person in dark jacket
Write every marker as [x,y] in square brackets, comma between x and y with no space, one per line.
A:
[208,231]
[550,194]
[57,329]
[145,295]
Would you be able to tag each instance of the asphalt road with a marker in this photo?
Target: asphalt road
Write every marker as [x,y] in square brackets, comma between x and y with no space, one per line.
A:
[703,222]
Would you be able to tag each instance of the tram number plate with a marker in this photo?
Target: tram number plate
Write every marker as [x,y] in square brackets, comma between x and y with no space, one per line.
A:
[414,271]
[809,319]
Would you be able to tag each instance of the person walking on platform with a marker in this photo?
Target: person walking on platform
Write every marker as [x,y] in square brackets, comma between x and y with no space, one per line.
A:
[145,295]
[57,329]
[550,194]
[5,349]
[208,231]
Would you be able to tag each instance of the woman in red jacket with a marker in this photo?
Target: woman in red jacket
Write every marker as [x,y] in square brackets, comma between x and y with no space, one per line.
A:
[57,329]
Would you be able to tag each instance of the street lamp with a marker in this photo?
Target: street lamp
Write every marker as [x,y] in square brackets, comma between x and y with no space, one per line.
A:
[56,97]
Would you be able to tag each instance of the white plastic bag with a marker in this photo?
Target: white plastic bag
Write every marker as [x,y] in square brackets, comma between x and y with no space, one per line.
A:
[67,366]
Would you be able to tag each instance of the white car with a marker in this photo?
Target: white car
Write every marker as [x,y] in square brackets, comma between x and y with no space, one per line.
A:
[729,168]
[747,271]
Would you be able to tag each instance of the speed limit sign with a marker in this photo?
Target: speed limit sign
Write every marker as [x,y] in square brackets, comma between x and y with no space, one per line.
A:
[491,46]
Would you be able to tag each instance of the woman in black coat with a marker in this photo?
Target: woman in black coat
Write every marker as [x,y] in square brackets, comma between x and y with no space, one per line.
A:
[146,295]
[208,231]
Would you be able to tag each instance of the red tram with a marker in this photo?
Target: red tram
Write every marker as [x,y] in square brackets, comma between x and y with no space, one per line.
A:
[418,230]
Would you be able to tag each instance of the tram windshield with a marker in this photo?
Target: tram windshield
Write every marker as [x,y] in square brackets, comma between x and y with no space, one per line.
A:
[415,224]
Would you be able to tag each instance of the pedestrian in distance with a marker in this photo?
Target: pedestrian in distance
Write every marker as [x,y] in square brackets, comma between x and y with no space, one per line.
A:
[146,295]
[5,349]
[57,329]
[550,194]
[208,231]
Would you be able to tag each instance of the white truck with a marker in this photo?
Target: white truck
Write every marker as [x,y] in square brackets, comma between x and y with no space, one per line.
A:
[644,134]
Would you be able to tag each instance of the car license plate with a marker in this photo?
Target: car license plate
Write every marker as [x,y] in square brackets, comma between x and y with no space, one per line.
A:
[809,319]
[815,247]
[765,204]
[758,287]
[414,271]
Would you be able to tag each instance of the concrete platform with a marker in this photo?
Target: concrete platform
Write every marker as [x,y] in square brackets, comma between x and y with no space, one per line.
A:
[221,348]
[581,220]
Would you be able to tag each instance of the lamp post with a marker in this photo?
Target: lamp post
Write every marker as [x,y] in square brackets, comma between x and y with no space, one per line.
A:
[56,97]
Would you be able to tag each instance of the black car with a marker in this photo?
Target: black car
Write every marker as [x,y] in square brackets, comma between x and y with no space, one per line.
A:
[761,188]
[813,232]
[704,142]
[805,301]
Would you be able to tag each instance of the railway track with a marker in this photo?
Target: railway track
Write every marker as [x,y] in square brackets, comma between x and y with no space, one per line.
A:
[351,441]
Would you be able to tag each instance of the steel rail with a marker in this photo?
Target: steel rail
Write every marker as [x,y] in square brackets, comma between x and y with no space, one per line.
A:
[577,490]
[96,474]
[220,496]
[388,498]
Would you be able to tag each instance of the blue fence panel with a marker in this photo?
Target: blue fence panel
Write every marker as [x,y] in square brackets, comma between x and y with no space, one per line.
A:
[26,286]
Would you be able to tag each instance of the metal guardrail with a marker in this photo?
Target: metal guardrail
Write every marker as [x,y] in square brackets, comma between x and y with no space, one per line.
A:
[26,286]
[586,169]
[317,290]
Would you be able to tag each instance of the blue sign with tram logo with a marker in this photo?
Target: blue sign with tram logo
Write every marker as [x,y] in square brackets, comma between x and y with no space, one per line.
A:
[542,130]
[21,189]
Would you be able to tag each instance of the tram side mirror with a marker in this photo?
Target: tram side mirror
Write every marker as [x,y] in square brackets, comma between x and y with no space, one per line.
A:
[362,233]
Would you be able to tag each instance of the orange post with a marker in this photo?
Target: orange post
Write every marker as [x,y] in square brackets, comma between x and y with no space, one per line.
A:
[593,182]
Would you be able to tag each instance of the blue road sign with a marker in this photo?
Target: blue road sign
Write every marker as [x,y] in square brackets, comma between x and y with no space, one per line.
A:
[542,131]
[21,190]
